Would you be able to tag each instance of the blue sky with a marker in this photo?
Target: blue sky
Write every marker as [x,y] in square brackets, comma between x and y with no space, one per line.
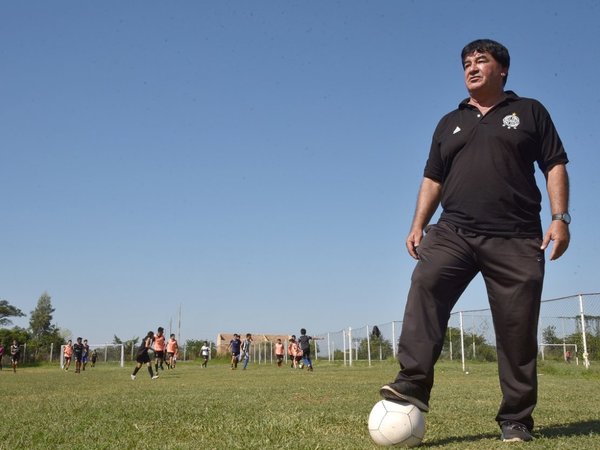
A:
[256,163]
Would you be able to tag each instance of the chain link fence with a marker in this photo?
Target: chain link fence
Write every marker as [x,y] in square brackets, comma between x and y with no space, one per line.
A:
[569,330]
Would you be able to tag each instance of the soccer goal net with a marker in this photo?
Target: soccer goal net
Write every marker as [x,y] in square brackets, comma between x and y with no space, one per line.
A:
[566,352]
[100,354]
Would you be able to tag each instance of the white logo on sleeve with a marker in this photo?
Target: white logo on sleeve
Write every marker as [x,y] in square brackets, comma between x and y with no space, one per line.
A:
[511,121]
[456,130]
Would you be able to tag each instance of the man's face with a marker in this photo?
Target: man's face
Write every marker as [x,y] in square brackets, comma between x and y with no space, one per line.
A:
[483,73]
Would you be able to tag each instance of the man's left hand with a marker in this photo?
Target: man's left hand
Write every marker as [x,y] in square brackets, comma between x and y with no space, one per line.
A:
[558,232]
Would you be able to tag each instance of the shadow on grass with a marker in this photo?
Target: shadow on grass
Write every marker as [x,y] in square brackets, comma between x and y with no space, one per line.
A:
[568,429]
[458,439]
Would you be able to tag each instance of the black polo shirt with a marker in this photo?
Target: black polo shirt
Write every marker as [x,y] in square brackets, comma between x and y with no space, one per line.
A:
[486,165]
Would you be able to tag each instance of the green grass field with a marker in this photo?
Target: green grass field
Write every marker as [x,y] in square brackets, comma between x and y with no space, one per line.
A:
[266,407]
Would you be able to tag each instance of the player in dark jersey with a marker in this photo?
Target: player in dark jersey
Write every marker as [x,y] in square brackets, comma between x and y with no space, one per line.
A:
[78,354]
[304,343]
[234,347]
[15,353]
[86,354]
[94,357]
[143,357]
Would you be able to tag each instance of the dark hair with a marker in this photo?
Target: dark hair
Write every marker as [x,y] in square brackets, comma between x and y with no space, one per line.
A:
[498,51]
[303,331]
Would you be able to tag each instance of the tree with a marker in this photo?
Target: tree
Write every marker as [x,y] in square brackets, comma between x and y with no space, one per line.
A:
[8,310]
[549,335]
[7,336]
[128,346]
[484,351]
[380,348]
[193,347]
[40,321]
[43,333]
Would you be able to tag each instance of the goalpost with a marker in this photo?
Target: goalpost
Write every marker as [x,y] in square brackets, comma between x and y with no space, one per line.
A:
[106,353]
[568,351]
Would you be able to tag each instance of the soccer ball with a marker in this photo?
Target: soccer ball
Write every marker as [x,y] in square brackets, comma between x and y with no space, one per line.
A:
[392,423]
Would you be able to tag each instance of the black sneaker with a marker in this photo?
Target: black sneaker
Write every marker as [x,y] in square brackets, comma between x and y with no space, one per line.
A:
[515,432]
[403,391]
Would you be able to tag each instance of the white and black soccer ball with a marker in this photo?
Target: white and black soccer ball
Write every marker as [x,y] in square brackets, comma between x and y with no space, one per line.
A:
[392,423]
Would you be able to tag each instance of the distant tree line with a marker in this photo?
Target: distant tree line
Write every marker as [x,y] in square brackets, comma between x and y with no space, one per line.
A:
[41,334]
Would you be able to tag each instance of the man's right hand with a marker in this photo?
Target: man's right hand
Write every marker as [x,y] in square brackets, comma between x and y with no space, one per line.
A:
[413,241]
[428,200]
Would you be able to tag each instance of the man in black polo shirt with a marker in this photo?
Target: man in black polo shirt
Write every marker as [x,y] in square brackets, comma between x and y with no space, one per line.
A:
[481,170]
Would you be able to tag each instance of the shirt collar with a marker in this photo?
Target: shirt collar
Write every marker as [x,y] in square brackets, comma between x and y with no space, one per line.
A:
[511,96]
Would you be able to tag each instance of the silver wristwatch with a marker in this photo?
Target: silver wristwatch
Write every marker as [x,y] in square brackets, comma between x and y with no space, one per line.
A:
[565,217]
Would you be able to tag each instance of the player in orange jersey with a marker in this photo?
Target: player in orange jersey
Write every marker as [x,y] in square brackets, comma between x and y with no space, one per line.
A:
[159,349]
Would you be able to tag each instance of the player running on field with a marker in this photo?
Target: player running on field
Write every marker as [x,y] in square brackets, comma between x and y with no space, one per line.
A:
[295,351]
[94,357]
[304,343]
[246,350]
[143,357]
[15,353]
[205,353]
[234,347]
[172,349]
[86,354]
[78,354]
[68,354]
[279,352]
[159,349]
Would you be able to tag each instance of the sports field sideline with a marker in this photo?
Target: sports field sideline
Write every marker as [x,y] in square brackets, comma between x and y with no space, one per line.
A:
[266,407]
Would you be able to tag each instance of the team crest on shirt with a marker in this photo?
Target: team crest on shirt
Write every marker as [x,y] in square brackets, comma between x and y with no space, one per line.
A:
[511,121]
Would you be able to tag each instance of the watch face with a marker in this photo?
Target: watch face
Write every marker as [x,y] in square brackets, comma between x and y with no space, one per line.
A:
[566,218]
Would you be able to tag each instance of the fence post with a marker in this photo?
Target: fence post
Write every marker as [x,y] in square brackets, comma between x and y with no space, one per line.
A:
[450,341]
[540,339]
[368,346]
[586,361]
[51,350]
[344,345]
[350,346]
[564,343]
[462,341]
[473,334]
[394,345]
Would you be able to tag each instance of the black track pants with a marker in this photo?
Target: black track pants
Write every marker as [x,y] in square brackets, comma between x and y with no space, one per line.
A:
[513,271]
